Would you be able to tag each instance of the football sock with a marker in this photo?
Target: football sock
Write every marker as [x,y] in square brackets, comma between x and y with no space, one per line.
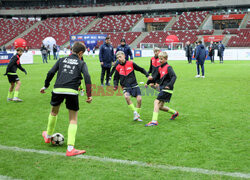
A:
[10,94]
[72,134]
[132,107]
[16,93]
[138,110]
[51,124]
[70,148]
[171,111]
[155,117]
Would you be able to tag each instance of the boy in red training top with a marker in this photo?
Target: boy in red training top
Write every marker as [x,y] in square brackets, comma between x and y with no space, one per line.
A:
[126,75]
[166,77]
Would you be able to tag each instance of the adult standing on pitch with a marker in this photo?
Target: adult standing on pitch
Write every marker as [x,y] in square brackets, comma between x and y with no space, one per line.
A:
[68,80]
[54,51]
[12,75]
[106,57]
[211,51]
[200,57]
[44,53]
[128,54]
[48,50]
[189,52]
[221,49]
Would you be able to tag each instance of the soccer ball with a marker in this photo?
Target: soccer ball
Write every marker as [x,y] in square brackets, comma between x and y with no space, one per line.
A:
[57,139]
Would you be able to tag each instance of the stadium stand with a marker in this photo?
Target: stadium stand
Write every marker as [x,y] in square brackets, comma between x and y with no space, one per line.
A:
[190,20]
[248,24]
[242,39]
[183,35]
[58,28]
[116,23]
[10,28]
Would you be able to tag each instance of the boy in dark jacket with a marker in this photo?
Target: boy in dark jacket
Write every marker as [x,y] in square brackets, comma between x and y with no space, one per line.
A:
[12,76]
[69,75]
[200,57]
[166,77]
[126,75]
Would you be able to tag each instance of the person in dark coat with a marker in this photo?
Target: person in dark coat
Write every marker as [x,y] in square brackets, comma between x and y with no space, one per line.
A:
[127,51]
[44,52]
[107,58]
[189,52]
[221,49]
[211,49]
[200,57]
[54,52]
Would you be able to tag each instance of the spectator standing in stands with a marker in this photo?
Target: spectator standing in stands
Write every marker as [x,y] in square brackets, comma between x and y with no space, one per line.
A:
[127,51]
[221,49]
[44,53]
[189,52]
[211,49]
[106,57]
[54,52]
[48,50]
[200,57]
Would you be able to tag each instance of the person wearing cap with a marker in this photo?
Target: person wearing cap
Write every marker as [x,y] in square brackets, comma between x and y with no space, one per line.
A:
[128,54]
[13,77]
[221,49]
[106,57]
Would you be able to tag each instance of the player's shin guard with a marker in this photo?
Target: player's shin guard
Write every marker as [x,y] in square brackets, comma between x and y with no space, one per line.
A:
[51,124]
[10,94]
[16,94]
[132,107]
[171,111]
[72,134]
[155,116]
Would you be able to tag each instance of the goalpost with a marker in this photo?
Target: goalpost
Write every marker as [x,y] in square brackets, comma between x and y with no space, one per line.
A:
[164,46]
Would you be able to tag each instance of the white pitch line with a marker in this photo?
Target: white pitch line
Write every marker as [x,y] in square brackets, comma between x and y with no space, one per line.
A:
[136,163]
[7,178]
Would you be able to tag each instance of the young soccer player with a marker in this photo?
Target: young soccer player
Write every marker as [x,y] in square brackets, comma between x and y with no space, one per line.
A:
[13,77]
[154,65]
[125,74]
[167,78]
[68,80]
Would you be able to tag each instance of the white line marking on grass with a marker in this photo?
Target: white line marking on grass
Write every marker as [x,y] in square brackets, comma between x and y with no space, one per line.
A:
[7,178]
[136,163]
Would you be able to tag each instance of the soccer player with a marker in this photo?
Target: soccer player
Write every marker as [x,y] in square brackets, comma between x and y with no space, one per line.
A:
[154,65]
[69,74]
[125,74]
[13,77]
[167,78]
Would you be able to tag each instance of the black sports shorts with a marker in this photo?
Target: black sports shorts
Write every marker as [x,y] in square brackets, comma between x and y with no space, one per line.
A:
[72,102]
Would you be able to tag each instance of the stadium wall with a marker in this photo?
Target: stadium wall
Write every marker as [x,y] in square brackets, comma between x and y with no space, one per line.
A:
[130,8]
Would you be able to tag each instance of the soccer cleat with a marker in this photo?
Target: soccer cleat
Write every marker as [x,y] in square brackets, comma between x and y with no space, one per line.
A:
[75,152]
[16,99]
[197,76]
[151,124]
[9,99]
[203,76]
[137,117]
[174,116]
[46,140]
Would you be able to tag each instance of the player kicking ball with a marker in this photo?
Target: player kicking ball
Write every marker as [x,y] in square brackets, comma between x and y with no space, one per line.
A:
[13,77]
[69,75]
[166,77]
[126,75]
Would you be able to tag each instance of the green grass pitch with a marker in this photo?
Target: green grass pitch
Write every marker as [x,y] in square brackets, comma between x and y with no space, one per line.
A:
[212,131]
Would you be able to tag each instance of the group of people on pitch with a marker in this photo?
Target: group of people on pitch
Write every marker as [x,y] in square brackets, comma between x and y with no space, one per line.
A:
[69,75]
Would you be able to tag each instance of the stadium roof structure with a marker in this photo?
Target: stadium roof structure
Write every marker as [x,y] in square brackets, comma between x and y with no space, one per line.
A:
[91,7]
